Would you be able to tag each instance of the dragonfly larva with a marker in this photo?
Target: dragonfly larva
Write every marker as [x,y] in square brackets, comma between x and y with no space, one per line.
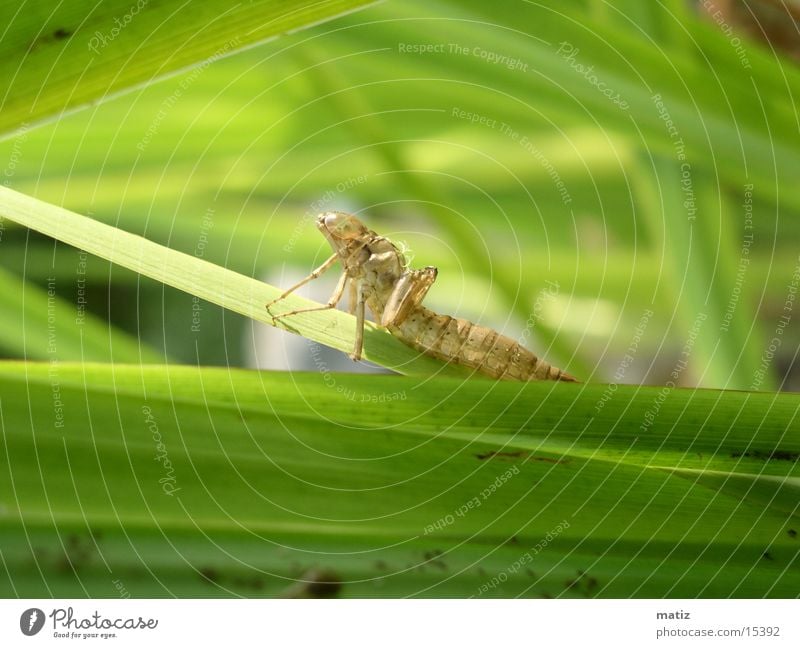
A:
[377,276]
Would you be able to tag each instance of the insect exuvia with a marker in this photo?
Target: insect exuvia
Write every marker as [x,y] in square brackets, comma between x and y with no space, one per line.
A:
[377,276]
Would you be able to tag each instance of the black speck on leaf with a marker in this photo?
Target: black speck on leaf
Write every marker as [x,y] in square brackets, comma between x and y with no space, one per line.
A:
[209,574]
[767,455]
[500,454]
[326,584]
[315,583]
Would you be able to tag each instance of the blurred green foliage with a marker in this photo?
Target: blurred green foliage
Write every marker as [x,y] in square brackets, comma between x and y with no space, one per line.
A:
[489,149]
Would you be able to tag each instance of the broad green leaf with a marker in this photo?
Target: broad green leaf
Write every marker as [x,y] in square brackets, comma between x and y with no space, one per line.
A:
[218,482]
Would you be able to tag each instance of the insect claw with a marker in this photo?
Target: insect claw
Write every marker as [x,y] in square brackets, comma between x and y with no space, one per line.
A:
[275,318]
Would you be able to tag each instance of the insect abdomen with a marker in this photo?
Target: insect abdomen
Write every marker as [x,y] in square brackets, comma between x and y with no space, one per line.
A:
[457,340]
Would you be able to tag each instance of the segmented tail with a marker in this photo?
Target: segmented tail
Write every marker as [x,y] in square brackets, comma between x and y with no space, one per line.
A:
[453,339]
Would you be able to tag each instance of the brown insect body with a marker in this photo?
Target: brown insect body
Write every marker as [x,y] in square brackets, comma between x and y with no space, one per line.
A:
[479,347]
[378,276]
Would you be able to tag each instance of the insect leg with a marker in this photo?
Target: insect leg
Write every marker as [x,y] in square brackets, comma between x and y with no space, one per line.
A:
[360,301]
[352,301]
[315,274]
[331,303]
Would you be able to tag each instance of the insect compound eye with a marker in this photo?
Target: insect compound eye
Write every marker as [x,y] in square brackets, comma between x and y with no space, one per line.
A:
[341,225]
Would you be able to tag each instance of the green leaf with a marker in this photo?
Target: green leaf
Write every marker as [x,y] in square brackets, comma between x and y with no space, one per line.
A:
[57,58]
[217,482]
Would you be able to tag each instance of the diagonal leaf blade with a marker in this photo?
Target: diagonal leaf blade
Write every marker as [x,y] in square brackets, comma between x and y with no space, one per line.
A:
[57,58]
[213,283]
